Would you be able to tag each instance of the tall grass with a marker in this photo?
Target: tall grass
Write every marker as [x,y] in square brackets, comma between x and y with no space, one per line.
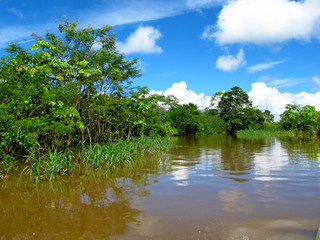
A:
[106,157]
[50,165]
[7,163]
[266,133]
[110,155]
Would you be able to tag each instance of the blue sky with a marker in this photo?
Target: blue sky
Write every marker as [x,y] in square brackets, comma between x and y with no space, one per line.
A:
[194,48]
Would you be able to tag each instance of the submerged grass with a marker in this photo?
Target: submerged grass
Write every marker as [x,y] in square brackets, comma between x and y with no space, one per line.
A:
[50,165]
[107,157]
[110,155]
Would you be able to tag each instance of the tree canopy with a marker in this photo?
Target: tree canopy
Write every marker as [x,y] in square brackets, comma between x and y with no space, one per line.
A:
[61,87]
[236,110]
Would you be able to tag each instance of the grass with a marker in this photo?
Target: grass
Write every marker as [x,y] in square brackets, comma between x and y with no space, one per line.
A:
[110,155]
[266,133]
[50,165]
[106,157]
[7,163]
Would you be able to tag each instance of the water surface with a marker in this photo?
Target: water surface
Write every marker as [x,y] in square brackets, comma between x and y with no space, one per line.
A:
[211,187]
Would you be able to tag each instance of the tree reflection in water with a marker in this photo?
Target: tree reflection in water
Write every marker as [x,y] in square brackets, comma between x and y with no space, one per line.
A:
[86,206]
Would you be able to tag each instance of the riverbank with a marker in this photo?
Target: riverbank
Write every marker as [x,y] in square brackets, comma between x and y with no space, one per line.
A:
[107,157]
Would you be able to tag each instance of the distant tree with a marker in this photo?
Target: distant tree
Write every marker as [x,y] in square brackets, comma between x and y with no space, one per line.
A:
[268,116]
[305,119]
[185,118]
[231,105]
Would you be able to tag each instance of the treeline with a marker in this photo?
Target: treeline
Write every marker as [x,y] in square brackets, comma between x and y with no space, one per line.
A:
[75,88]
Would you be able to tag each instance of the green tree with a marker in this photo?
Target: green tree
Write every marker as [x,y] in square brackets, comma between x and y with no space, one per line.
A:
[302,119]
[231,105]
[185,118]
[63,90]
[269,118]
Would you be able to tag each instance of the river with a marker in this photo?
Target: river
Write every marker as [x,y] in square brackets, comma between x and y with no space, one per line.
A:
[206,187]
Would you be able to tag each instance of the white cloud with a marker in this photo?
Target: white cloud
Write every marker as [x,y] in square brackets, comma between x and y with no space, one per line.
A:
[266,21]
[180,91]
[16,12]
[21,34]
[143,40]
[130,11]
[284,82]
[203,3]
[230,63]
[263,96]
[263,66]
[14,34]
[269,98]
[316,83]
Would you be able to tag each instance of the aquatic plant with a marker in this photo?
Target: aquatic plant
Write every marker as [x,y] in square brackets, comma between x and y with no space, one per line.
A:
[7,163]
[107,157]
[49,165]
[110,155]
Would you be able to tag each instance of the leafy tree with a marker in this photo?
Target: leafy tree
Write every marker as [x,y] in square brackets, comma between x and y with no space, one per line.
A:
[290,117]
[269,118]
[211,123]
[230,106]
[63,89]
[303,119]
[185,118]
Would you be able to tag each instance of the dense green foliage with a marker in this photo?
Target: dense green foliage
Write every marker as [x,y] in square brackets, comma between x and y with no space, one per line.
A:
[236,110]
[301,119]
[56,93]
[75,89]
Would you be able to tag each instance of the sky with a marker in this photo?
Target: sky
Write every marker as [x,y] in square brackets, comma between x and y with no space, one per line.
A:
[195,48]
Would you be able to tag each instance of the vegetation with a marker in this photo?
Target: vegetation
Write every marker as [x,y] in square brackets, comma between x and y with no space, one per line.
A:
[236,110]
[58,163]
[74,90]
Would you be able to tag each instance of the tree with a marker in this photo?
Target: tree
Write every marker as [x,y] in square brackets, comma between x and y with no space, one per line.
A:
[62,90]
[303,119]
[268,116]
[230,106]
[185,118]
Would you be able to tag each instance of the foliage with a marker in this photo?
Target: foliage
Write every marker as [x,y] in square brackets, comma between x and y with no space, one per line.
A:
[75,89]
[269,118]
[301,119]
[58,163]
[235,109]
[62,89]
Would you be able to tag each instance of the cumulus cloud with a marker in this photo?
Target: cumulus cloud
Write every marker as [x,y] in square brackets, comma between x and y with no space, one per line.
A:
[269,98]
[230,63]
[180,91]
[263,66]
[266,21]
[143,40]
[263,96]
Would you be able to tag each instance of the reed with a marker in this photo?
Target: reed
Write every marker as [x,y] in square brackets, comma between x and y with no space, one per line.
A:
[50,165]
[116,153]
[107,157]
[7,163]
[266,133]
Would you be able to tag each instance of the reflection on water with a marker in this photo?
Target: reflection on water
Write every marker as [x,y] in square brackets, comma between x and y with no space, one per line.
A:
[209,187]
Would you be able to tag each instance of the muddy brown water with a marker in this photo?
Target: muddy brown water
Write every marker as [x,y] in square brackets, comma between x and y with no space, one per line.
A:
[212,187]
